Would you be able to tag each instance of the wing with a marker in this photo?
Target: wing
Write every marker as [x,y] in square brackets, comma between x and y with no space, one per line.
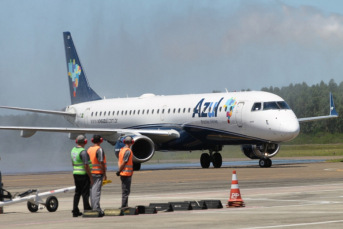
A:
[333,113]
[41,111]
[113,133]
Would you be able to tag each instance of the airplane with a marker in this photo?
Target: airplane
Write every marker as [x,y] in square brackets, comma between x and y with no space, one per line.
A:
[258,121]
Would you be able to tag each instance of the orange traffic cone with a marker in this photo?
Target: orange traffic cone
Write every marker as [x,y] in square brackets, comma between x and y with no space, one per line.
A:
[235,195]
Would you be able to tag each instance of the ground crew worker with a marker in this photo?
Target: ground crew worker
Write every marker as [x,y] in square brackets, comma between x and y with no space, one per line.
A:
[125,172]
[82,175]
[98,158]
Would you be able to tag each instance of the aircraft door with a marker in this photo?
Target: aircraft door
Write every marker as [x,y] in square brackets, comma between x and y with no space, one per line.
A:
[163,111]
[239,114]
[87,117]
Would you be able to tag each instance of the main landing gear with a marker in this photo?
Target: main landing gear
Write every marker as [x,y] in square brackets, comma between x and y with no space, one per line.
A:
[215,158]
[265,163]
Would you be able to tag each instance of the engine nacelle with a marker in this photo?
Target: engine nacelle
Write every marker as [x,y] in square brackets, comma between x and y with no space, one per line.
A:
[143,149]
[267,150]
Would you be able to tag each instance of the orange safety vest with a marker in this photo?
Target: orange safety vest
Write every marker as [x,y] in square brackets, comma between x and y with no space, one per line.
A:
[96,164]
[128,169]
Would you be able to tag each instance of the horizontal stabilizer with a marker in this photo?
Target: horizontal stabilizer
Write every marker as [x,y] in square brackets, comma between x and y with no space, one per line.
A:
[41,111]
[333,113]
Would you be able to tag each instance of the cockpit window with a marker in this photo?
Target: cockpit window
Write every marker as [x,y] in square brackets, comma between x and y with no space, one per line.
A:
[256,107]
[270,106]
[283,105]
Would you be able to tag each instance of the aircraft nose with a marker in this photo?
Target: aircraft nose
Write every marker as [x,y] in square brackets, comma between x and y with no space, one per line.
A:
[289,129]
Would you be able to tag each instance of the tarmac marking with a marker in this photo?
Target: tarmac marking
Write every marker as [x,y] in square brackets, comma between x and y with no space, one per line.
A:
[296,225]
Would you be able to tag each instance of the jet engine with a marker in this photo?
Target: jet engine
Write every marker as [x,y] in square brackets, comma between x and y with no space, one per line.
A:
[143,149]
[267,150]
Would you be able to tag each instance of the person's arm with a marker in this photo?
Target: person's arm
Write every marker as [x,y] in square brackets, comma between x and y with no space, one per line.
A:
[85,158]
[88,171]
[122,166]
[101,156]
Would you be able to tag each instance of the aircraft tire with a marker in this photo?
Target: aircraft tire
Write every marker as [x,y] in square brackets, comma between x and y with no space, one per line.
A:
[205,160]
[268,163]
[262,163]
[32,207]
[217,160]
[51,204]
[136,166]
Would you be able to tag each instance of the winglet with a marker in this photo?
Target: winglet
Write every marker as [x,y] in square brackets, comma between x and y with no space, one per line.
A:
[332,107]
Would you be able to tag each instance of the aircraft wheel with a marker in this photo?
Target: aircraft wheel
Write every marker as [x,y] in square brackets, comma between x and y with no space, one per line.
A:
[51,204]
[205,160]
[262,163]
[217,160]
[269,163]
[32,207]
[136,166]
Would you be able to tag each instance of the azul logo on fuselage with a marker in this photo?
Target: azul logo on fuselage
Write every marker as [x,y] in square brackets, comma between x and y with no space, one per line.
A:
[206,109]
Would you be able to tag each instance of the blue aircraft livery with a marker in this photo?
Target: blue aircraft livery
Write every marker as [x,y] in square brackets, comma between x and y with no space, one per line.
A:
[210,108]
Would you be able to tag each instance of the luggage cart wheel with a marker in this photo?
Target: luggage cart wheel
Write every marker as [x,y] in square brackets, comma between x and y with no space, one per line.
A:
[32,207]
[51,203]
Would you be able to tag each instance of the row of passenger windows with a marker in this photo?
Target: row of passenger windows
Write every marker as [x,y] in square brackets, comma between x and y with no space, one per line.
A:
[281,105]
[133,112]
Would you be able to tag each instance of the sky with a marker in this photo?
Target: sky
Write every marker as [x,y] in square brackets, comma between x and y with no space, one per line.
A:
[128,48]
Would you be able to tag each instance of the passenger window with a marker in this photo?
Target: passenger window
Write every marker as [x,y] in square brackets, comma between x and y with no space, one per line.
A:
[256,107]
[184,110]
[147,111]
[92,114]
[168,111]
[174,110]
[158,111]
[152,112]
[134,111]
[162,111]
[96,113]
[209,110]
[143,112]
[138,112]
[122,112]
[109,113]
[220,109]
[113,113]
[100,113]
[270,106]
[179,110]
[130,112]
[225,109]
[189,110]
[125,112]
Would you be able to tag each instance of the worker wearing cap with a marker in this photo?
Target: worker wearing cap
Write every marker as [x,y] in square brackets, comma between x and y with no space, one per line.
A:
[98,158]
[82,175]
[125,172]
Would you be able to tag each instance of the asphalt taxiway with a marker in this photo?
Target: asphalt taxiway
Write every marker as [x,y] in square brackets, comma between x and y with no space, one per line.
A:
[284,196]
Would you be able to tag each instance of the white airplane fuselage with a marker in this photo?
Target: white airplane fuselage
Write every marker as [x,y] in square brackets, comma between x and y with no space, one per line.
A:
[232,123]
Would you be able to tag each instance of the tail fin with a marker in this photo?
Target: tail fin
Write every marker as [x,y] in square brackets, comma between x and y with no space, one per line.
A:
[80,91]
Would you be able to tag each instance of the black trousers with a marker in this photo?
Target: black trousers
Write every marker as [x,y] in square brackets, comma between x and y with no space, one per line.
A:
[125,188]
[82,185]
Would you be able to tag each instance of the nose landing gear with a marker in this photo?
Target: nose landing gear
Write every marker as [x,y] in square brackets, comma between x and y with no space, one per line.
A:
[215,158]
[265,163]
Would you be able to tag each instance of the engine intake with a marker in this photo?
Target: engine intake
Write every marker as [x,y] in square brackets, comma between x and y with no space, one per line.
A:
[143,149]
[267,150]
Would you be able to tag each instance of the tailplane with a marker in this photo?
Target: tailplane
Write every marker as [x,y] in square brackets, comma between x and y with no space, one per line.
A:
[80,91]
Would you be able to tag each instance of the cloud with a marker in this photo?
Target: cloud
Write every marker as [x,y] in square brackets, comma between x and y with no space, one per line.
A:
[210,33]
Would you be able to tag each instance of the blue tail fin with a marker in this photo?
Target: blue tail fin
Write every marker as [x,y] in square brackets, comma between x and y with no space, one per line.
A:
[80,91]
[332,106]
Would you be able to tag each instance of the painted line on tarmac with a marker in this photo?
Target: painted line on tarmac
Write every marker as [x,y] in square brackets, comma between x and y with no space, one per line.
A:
[296,225]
